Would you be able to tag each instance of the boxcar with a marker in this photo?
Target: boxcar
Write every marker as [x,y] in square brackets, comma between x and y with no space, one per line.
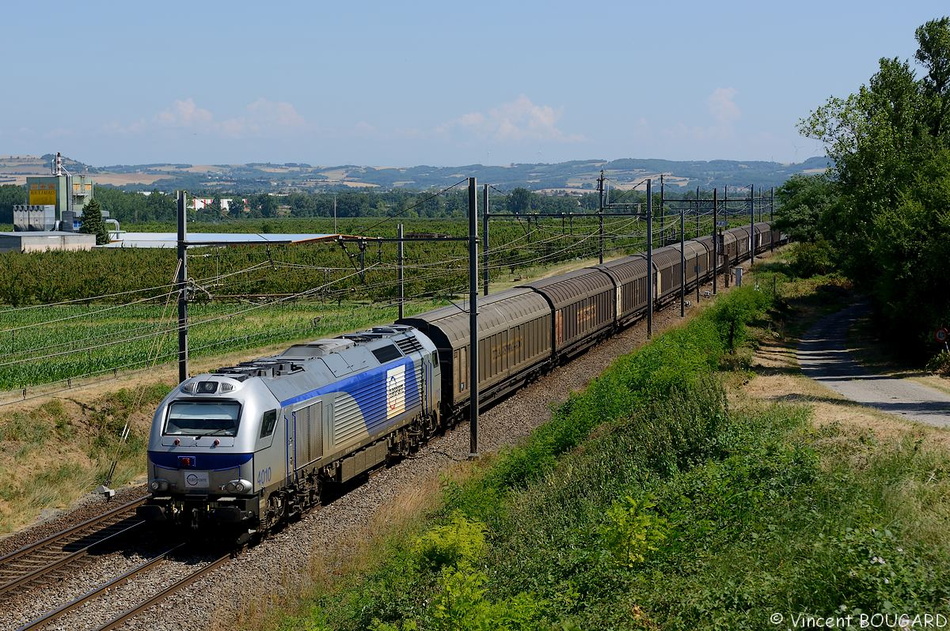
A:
[668,264]
[630,277]
[515,340]
[742,244]
[763,236]
[697,262]
[584,304]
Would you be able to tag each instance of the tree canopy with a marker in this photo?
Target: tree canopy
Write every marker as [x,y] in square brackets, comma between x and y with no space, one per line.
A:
[92,222]
[886,214]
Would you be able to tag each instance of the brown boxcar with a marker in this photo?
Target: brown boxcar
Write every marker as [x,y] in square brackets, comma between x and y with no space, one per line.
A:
[763,236]
[514,344]
[742,243]
[630,276]
[584,303]
[697,262]
[667,262]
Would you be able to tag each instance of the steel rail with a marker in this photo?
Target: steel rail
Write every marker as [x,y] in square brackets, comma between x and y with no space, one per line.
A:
[165,593]
[41,571]
[17,576]
[98,591]
[4,560]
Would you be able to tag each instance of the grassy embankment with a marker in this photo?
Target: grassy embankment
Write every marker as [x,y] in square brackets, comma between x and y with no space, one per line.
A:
[667,496]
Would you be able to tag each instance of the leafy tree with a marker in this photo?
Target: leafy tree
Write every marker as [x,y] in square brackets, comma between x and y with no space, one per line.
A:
[10,196]
[934,40]
[519,201]
[161,206]
[92,222]
[890,145]
[805,205]
[263,205]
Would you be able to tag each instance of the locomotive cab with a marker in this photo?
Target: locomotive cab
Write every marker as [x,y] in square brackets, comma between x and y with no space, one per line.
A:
[201,452]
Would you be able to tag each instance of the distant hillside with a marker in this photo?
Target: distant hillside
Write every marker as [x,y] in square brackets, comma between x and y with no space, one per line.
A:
[567,177]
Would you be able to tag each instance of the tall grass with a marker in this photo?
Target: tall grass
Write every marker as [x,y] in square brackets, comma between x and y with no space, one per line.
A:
[648,503]
[58,453]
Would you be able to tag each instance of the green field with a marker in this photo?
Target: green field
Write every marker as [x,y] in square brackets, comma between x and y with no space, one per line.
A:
[50,344]
[76,315]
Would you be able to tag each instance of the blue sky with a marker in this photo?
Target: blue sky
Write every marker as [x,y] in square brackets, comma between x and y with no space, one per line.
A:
[439,83]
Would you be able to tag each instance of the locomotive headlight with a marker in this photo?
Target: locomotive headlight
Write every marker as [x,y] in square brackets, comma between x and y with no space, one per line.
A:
[158,485]
[207,387]
[238,486]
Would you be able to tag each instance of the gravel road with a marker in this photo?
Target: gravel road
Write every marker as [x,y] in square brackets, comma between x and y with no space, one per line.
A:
[824,356]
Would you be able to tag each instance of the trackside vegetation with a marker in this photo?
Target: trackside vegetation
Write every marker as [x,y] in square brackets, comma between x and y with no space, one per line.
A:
[879,215]
[656,499]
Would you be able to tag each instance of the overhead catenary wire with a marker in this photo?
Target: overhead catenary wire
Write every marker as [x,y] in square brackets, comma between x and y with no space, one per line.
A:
[573,244]
[168,290]
[172,327]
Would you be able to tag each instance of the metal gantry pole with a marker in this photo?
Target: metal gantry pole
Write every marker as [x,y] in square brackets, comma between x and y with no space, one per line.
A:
[662,213]
[683,261]
[650,285]
[402,273]
[600,212]
[485,237]
[181,283]
[771,217]
[725,226]
[752,224]
[698,232]
[473,315]
[715,238]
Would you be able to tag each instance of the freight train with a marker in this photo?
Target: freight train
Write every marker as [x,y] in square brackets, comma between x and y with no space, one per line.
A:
[249,446]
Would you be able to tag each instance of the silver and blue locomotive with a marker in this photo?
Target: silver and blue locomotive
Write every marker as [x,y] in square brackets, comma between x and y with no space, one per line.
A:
[251,445]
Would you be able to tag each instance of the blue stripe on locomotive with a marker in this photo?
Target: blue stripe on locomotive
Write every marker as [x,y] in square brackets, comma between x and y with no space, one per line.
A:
[202,461]
[368,389]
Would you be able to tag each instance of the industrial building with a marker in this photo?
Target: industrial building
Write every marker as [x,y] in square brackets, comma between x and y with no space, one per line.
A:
[51,217]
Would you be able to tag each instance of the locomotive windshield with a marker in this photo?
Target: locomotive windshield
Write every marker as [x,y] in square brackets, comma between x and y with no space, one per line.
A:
[202,418]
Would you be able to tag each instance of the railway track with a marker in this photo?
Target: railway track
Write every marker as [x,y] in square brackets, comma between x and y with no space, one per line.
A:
[35,566]
[169,588]
[40,560]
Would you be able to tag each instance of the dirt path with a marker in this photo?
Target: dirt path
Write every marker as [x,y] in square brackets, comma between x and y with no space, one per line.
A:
[824,356]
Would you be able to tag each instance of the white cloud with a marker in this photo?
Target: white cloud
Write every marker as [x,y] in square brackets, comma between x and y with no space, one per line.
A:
[723,107]
[723,111]
[261,118]
[185,114]
[516,121]
[275,114]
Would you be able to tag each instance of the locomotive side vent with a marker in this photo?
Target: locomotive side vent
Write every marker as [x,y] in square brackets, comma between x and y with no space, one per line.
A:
[409,344]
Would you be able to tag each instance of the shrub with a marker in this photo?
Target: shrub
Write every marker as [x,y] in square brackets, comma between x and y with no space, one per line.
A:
[629,530]
[733,312]
[812,259]
[940,363]
[459,542]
